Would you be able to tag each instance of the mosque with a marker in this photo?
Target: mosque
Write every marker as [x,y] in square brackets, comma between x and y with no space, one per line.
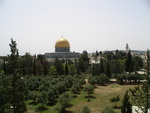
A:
[62,51]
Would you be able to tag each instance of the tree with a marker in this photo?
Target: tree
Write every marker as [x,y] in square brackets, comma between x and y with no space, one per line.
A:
[90,90]
[97,53]
[86,110]
[51,95]
[52,70]
[45,67]
[4,66]
[64,101]
[101,66]
[108,109]
[115,100]
[34,66]
[74,90]
[5,93]
[103,79]
[73,69]
[27,58]
[59,67]
[83,62]
[126,106]
[18,86]
[42,98]
[66,68]
[129,63]
[140,95]
[33,96]
[108,72]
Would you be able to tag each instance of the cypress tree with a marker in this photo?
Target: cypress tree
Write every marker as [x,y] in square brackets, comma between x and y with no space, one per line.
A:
[4,67]
[129,62]
[34,67]
[127,106]
[18,87]
[101,66]
[45,67]
[108,72]
[66,68]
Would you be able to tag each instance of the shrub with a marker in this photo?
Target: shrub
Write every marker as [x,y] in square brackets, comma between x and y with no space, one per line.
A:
[108,109]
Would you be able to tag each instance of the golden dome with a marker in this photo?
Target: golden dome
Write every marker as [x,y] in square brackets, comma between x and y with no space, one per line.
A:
[62,42]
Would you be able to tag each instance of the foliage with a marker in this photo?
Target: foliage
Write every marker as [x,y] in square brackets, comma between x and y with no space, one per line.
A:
[18,85]
[52,70]
[129,62]
[90,90]
[104,79]
[5,93]
[108,71]
[59,67]
[115,100]
[64,101]
[86,110]
[73,69]
[42,98]
[66,68]
[83,62]
[108,109]
[126,106]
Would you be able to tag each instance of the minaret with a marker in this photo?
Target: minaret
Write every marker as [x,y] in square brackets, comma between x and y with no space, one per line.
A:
[127,48]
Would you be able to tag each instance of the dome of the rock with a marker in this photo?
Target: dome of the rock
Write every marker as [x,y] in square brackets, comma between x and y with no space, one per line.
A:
[62,42]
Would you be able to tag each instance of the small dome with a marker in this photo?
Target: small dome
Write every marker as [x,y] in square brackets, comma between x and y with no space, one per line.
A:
[62,42]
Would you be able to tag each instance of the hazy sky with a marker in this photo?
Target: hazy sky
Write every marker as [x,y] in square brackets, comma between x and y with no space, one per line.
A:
[88,24]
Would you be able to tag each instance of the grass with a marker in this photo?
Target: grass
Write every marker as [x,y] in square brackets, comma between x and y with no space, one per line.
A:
[101,99]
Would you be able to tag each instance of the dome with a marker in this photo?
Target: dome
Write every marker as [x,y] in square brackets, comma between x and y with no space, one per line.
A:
[62,42]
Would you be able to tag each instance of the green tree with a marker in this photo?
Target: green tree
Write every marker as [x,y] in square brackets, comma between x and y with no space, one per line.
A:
[66,68]
[108,72]
[108,109]
[4,66]
[34,66]
[86,110]
[64,101]
[140,95]
[73,69]
[28,63]
[5,93]
[83,62]
[18,86]
[59,67]
[129,63]
[42,98]
[101,65]
[52,70]
[45,67]
[115,100]
[51,95]
[90,90]
[126,106]
[96,69]
[33,96]
[74,90]
[103,79]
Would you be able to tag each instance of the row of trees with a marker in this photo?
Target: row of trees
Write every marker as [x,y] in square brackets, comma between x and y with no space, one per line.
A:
[110,63]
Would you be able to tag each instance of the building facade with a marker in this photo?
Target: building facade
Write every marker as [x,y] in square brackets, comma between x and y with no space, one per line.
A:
[62,51]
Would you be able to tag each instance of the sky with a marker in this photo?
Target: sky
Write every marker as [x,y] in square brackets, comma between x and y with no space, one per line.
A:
[87,24]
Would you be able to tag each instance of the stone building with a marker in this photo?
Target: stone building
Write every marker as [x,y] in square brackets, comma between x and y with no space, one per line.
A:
[62,51]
